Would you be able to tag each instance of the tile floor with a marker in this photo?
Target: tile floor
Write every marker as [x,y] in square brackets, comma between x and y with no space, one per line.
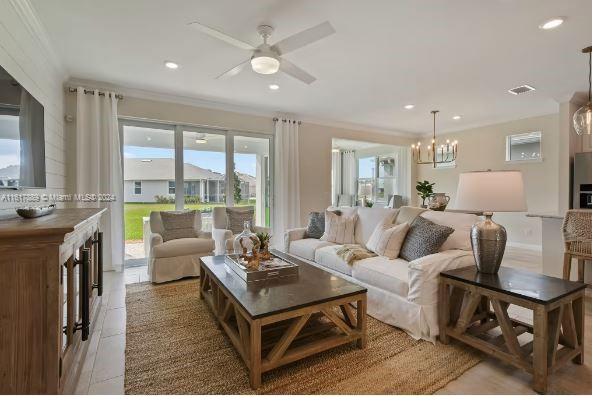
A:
[104,366]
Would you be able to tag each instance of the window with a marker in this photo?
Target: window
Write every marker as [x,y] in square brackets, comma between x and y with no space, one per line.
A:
[172,187]
[439,157]
[138,188]
[524,147]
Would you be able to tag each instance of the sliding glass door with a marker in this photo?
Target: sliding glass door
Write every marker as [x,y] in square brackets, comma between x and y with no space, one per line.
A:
[173,167]
[252,178]
[204,172]
[148,170]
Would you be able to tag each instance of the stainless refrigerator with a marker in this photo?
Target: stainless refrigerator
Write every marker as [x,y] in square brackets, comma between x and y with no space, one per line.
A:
[582,181]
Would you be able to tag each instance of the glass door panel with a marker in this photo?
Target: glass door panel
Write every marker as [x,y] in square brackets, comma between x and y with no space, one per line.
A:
[148,170]
[204,172]
[252,177]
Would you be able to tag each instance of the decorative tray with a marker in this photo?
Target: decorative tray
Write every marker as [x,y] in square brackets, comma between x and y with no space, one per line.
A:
[268,269]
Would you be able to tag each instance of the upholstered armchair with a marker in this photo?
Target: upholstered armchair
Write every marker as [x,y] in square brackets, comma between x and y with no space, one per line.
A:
[222,227]
[176,258]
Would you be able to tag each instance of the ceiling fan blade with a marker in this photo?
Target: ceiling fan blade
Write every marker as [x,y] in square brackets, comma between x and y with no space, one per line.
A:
[296,72]
[234,71]
[221,36]
[304,38]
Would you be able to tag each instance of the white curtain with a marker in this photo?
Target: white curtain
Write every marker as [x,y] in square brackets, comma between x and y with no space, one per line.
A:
[403,175]
[349,173]
[287,179]
[335,176]
[98,167]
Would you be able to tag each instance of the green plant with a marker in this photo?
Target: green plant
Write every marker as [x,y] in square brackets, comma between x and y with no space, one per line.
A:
[369,203]
[425,189]
[164,199]
[264,238]
[237,187]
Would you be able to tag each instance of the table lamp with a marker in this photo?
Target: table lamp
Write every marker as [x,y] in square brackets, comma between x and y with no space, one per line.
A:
[490,191]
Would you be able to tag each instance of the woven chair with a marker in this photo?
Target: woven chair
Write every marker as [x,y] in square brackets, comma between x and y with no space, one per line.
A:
[577,235]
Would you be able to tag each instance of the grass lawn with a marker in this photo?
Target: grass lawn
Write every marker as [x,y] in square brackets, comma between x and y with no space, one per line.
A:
[134,212]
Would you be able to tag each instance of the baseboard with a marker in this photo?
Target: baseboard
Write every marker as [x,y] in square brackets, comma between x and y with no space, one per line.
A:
[528,246]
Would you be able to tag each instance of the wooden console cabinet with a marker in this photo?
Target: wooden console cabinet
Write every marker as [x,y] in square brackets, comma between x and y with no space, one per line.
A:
[51,281]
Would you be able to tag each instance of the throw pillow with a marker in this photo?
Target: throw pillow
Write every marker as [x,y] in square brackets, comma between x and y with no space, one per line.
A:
[339,229]
[237,218]
[316,225]
[389,240]
[423,238]
[178,225]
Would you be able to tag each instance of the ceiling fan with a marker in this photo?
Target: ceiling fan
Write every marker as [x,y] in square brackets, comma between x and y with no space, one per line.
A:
[267,59]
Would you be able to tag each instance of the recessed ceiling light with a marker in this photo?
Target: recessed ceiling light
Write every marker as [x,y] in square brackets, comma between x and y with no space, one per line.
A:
[456,117]
[551,23]
[148,138]
[171,65]
[201,141]
[274,87]
[409,106]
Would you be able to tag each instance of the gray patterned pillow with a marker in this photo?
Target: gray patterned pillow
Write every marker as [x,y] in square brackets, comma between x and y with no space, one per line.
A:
[237,218]
[423,238]
[178,225]
[316,225]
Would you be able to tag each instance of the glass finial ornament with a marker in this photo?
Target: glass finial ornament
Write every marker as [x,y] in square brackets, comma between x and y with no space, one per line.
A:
[582,119]
[245,241]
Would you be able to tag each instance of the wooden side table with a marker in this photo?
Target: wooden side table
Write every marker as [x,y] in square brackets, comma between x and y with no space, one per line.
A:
[471,304]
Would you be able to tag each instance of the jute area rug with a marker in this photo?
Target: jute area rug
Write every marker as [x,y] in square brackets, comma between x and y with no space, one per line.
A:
[173,346]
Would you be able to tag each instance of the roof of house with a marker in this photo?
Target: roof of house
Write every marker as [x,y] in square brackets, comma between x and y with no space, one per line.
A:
[164,169]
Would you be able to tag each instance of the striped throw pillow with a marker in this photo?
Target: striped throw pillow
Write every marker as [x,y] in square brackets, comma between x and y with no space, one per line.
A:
[339,228]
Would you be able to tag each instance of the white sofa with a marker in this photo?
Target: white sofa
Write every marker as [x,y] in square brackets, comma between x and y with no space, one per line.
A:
[177,258]
[400,293]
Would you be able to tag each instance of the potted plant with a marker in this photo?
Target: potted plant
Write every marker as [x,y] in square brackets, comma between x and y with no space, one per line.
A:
[264,238]
[425,189]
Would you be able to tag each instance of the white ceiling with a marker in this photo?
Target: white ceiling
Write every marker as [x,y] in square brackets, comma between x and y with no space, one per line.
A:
[458,56]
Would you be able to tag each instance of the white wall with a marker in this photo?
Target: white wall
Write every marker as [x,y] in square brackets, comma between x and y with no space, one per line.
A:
[150,189]
[485,148]
[26,55]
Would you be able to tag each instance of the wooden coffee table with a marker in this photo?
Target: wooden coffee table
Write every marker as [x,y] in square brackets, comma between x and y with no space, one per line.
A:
[471,304]
[276,322]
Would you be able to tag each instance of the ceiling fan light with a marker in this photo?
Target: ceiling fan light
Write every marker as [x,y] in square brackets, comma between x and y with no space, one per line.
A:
[582,120]
[265,64]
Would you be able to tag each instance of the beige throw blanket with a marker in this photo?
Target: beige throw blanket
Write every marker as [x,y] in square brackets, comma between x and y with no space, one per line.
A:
[350,253]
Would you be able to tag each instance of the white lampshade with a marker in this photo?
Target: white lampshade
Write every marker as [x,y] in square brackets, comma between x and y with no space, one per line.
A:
[491,191]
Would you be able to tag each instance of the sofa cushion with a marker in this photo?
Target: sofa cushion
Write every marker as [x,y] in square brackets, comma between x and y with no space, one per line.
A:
[316,225]
[339,228]
[407,214]
[389,275]
[368,219]
[391,240]
[461,222]
[327,257]
[178,225]
[306,248]
[424,238]
[237,216]
[183,247]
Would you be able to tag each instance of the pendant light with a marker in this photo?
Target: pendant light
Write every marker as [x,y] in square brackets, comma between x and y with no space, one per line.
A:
[447,152]
[582,119]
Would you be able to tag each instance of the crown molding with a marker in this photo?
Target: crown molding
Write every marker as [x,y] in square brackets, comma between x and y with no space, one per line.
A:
[28,15]
[223,106]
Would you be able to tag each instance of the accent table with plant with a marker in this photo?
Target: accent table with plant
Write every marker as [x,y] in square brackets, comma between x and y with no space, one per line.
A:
[425,189]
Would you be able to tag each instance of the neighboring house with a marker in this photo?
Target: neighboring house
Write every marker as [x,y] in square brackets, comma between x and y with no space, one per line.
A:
[145,179]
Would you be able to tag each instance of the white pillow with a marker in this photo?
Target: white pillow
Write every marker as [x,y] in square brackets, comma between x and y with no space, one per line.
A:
[339,228]
[461,222]
[386,240]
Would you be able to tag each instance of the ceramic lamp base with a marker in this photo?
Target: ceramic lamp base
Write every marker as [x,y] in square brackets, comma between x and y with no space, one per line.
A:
[488,240]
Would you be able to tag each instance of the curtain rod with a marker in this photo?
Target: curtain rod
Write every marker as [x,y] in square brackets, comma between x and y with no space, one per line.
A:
[90,91]
[275,119]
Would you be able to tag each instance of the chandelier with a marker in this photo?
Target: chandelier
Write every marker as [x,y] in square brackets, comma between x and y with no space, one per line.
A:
[582,119]
[444,154]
